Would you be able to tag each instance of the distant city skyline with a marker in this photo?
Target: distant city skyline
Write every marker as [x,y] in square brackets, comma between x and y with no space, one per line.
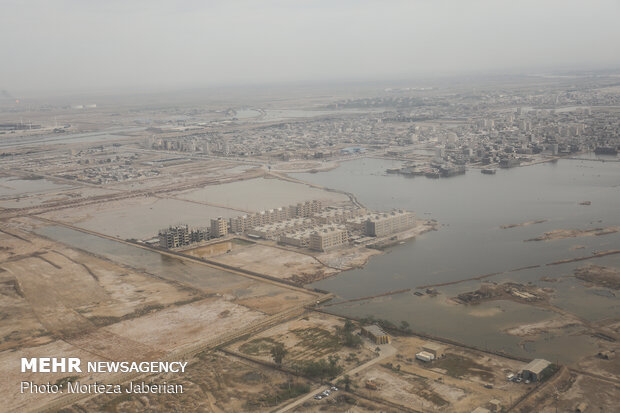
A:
[76,46]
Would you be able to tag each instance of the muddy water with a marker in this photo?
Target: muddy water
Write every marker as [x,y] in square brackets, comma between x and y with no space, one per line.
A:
[470,242]
[167,267]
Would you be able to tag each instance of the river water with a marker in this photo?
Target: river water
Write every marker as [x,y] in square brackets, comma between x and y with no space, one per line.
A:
[470,242]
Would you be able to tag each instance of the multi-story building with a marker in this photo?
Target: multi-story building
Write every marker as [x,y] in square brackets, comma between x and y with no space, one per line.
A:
[219,227]
[328,237]
[244,223]
[306,209]
[181,235]
[276,230]
[388,223]
[338,215]
[174,237]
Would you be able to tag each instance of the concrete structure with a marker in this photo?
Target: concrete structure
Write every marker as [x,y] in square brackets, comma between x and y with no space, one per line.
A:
[385,224]
[376,334]
[219,227]
[276,230]
[436,350]
[338,215]
[306,209]
[181,235]
[495,405]
[533,371]
[174,237]
[425,356]
[244,223]
[324,239]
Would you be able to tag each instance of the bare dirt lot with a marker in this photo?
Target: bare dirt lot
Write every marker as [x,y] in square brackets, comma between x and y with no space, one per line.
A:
[275,262]
[56,300]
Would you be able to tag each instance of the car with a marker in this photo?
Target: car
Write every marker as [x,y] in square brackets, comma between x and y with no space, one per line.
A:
[318,397]
[334,388]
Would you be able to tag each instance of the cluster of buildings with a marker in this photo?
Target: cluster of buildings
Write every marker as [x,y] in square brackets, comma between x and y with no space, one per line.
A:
[304,225]
[181,236]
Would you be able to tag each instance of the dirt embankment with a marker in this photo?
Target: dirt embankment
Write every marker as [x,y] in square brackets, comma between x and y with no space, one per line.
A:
[573,233]
[600,276]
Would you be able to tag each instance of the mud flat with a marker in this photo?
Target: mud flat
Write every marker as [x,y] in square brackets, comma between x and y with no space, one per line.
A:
[600,276]
[523,224]
[574,233]
[545,326]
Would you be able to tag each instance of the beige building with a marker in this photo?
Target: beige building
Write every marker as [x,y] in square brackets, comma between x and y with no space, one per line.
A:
[388,223]
[276,230]
[338,215]
[244,223]
[219,227]
[328,237]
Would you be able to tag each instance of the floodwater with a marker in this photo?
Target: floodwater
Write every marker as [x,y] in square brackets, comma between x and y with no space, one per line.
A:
[200,276]
[55,138]
[15,187]
[470,242]
[259,194]
[141,218]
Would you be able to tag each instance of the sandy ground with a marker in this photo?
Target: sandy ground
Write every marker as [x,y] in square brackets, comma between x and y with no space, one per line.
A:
[62,302]
[275,262]
[174,328]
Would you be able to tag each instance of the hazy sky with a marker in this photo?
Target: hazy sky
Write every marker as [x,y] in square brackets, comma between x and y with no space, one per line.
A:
[97,44]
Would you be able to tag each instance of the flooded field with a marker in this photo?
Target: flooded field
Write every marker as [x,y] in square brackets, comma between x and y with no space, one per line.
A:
[11,187]
[260,194]
[140,217]
[266,297]
[471,242]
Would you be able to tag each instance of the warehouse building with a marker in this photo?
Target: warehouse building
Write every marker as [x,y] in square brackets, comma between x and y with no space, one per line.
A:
[376,334]
[535,369]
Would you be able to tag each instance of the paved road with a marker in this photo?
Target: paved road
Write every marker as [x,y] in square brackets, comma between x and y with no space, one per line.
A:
[387,350]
